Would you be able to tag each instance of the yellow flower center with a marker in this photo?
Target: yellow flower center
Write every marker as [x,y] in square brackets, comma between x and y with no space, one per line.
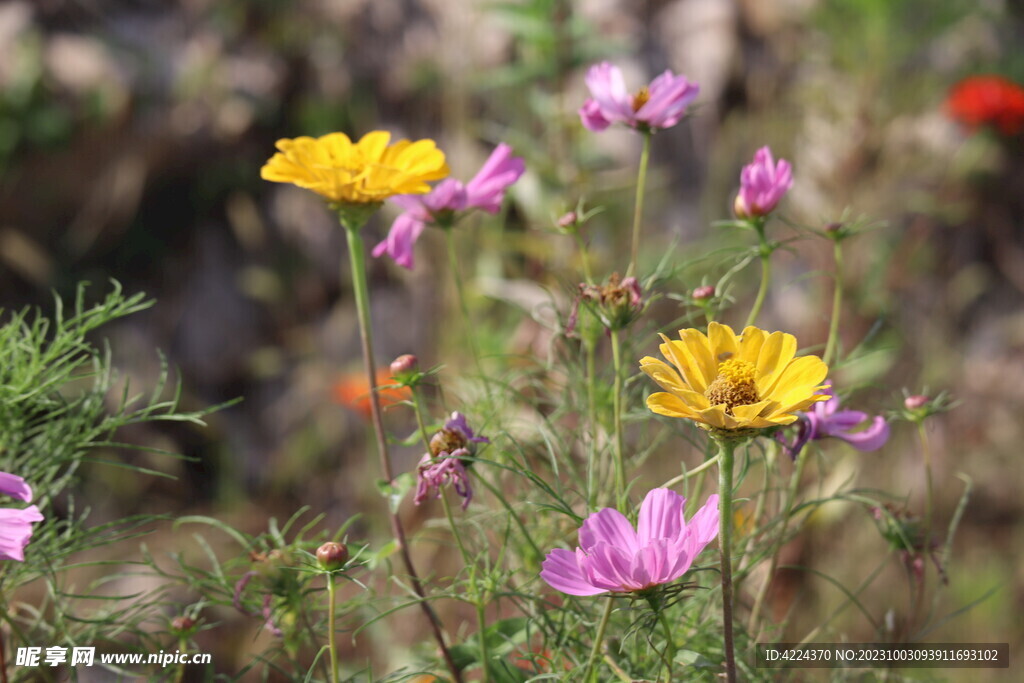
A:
[640,98]
[734,385]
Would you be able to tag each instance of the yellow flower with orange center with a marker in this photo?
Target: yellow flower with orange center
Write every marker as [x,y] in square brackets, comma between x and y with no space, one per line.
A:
[729,382]
[364,172]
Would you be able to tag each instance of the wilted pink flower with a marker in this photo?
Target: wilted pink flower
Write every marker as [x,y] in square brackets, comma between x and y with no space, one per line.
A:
[612,556]
[658,105]
[434,472]
[15,524]
[443,464]
[485,191]
[762,184]
[826,420]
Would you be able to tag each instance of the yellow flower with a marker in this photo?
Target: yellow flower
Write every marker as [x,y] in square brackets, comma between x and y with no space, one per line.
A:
[365,172]
[729,382]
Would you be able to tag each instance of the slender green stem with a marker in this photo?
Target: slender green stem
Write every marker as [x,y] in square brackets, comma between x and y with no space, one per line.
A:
[787,507]
[700,469]
[638,205]
[475,596]
[357,260]
[926,539]
[766,272]
[332,646]
[726,449]
[598,642]
[620,456]
[496,492]
[417,407]
[584,258]
[837,305]
[595,428]
[468,330]
[670,644]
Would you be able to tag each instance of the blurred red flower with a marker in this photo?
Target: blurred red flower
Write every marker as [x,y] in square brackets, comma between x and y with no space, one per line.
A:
[353,391]
[988,100]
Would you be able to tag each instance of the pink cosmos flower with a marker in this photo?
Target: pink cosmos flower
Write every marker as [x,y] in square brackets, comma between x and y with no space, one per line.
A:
[612,556]
[16,525]
[762,184]
[485,191]
[826,420]
[658,105]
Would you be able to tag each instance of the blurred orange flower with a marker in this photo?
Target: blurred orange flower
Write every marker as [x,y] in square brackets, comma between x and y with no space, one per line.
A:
[353,391]
[988,100]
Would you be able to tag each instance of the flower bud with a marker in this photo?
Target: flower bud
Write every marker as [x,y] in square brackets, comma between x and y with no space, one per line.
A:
[916,401]
[403,364]
[833,227]
[704,292]
[568,220]
[182,624]
[332,556]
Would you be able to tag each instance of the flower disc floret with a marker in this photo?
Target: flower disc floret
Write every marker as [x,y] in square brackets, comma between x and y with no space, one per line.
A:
[727,382]
[365,172]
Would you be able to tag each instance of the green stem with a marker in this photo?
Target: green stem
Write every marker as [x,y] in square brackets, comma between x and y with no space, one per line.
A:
[598,641]
[357,260]
[787,507]
[766,272]
[478,602]
[584,259]
[592,463]
[460,293]
[417,407]
[700,469]
[638,205]
[670,645]
[837,304]
[332,646]
[496,492]
[620,457]
[726,448]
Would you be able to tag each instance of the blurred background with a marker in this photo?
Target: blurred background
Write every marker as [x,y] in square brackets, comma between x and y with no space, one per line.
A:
[132,133]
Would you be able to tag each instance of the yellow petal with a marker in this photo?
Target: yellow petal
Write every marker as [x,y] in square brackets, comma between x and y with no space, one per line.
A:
[750,344]
[776,353]
[723,341]
[698,347]
[799,380]
[679,354]
[669,405]
[662,373]
[717,417]
[373,144]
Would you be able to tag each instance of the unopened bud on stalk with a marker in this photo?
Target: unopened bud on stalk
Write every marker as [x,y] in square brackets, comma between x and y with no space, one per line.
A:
[704,292]
[332,556]
[916,401]
[833,227]
[182,624]
[568,220]
[403,364]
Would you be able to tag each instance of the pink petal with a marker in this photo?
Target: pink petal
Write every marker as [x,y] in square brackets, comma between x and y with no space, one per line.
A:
[661,516]
[448,195]
[870,439]
[16,530]
[400,240]
[562,572]
[703,526]
[608,526]
[487,188]
[608,89]
[670,95]
[14,486]
[591,117]
[606,566]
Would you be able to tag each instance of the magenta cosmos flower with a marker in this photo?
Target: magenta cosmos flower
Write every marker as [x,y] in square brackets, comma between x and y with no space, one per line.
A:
[762,184]
[485,191]
[16,525]
[658,105]
[826,420]
[612,556]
